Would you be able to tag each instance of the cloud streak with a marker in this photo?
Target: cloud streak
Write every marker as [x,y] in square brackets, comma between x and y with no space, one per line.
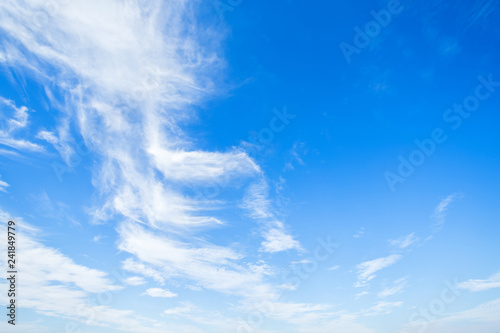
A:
[404,242]
[440,211]
[367,269]
[481,285]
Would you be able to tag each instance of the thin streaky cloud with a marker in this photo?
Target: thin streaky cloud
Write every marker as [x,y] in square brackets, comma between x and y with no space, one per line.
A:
[476,285]
[404,242]
[367,269]
[440,212]
[397,287]
[3,186]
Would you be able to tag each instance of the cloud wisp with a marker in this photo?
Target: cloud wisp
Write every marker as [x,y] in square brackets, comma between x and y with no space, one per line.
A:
[476,285]
[439,215]
[125,78]
[367,269]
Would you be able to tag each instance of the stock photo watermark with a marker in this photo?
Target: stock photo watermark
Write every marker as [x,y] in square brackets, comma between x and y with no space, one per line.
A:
[453,116]
[223,6]
[420,319]
[11,272]
[254,144]
[80,151]
[88,311]
[292,279]
[373,28]
[52,7]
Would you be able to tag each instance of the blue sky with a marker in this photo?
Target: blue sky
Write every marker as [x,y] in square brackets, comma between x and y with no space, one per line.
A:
[251,166]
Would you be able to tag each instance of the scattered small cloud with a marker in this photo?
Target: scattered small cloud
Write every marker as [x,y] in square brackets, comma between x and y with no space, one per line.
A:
[14,120]
[97,238]
[277,240]
[481,285]
[397,288]
[334,268]
[360,233]
[367,269]
[158,292]
[3,186]
[180,310]
[383,308]
[303,261]
[135,281]
[482,318]
[404,242]
[297,152]
[259,207]
[440,211]
[361,294]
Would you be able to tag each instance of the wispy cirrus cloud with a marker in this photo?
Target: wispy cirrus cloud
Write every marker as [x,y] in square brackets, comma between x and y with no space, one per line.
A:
[58,286]
[476,285]
[397,287]
[360,233]
[259,207]
[404,242]
[130,81]
[481,318]
[367,269]
[130,74]
[439,215]
[361,294]
[13,120]
[211,267]
[3,186]
[382,308]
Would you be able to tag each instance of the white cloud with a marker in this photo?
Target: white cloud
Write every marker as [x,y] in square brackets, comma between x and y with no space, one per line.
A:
[344,323]
[199,166]
[256,201]
[137,267]
[439,215]
[359,233]
[158,292]
[361,294]
[210,266]
[131,74]
[334,268]
[135,281]
[486,312]
[48,136]
[57,286]
[298,262]
[181,310]
[20,114]
[97,238]
[367,269]
[300,313]
[130,79]
[397,287]
[64,145]
[3,186]
[17,121]
[482,318]
[297,152]
[481,285]
[259,207]
[383,308]
[404,242]
[278,240]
